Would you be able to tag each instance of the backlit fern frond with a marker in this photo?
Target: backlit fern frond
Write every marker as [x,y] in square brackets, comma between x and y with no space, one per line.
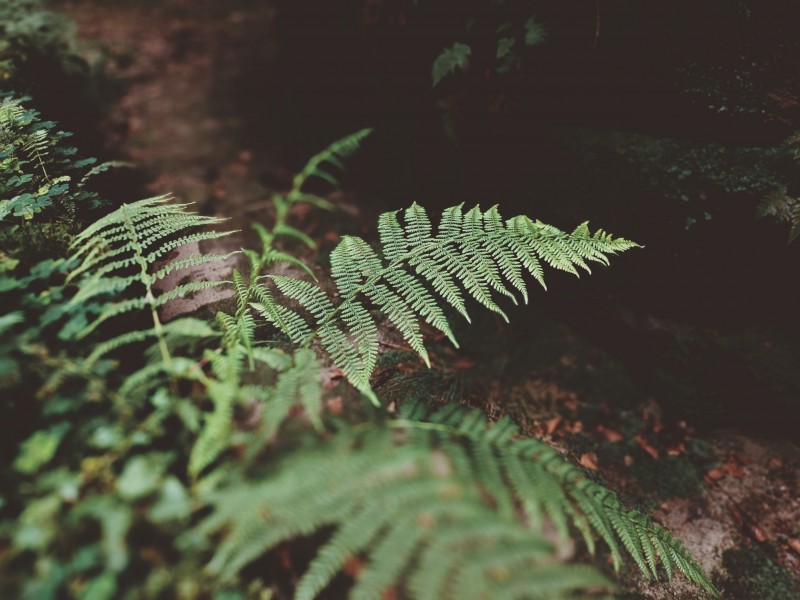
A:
[120,258]
[423,529]
[472,254]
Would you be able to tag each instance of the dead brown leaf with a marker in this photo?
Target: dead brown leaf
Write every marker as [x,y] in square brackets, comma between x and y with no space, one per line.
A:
[794,544]
[609,434]
[463,363]
[589,461]
[552,425]
[676,450]
[646,446]
[758,533]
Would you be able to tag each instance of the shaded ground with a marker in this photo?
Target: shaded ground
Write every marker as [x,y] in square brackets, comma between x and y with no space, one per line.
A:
[188,77]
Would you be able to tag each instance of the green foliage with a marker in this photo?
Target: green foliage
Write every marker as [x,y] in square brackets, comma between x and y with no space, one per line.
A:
[121,452]
[449,504]
[26,30]
[117,253]
[241,326]
[42,184]
[451,60]
[331,157]
[477,253]
[783,208]
[509,36]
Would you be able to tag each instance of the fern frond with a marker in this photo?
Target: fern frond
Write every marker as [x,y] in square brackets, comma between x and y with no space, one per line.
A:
[117,257]
[472,253]
[332,156]
[422,525]
[436,511]
[532,475]
[297,384]
[223,389]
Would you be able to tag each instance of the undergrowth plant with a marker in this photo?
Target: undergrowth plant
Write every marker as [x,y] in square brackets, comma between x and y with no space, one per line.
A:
[172,459]
[43,185]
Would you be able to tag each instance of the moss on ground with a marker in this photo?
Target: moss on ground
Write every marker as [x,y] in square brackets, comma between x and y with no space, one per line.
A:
[749,573]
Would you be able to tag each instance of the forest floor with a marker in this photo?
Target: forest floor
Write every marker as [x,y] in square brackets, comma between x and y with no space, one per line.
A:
[733,499]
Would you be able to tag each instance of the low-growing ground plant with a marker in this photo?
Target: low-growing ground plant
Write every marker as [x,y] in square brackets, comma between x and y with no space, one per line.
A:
[182,458]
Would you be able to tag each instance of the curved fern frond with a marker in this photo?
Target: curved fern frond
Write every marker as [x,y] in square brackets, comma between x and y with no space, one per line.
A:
[444,507]
[531,475]
[472,254]
[118,260]
[422,526]
[332,156]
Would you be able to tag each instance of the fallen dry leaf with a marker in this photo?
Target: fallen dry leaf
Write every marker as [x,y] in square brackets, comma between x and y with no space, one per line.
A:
[646,446]
[733,467]
[794,544]
[589,461]
[676,450]
[758,534]
[552,425]
[716,474]
[609,434]
[463,363]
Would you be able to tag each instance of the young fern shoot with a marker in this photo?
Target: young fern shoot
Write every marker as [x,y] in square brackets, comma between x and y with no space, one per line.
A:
[241,325]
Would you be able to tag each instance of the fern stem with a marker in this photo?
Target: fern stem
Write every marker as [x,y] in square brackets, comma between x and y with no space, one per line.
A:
[147,280]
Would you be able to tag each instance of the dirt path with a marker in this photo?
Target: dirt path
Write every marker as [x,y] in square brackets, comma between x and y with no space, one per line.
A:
[178,68]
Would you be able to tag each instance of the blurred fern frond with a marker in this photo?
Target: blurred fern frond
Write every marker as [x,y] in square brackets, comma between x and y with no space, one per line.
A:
[439,505]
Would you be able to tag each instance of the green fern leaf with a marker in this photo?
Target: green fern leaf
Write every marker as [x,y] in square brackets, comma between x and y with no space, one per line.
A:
[472,253]
[332,156]
[451,60]
[116,257]
[420,524]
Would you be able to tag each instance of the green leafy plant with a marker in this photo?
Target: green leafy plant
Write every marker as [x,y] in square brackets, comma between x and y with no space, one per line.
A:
[43,185]
[782,207]
[137,440]
[435,498]
[33,36]
[118,251]
[474,252]
[507,37]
